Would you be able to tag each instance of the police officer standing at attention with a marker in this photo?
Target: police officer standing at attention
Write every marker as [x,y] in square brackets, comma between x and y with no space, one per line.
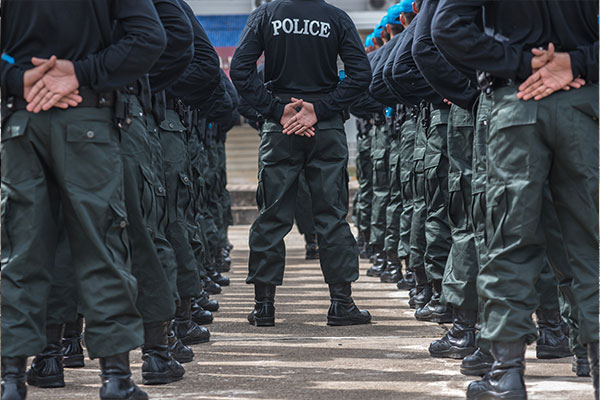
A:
[301,40]
[48,158]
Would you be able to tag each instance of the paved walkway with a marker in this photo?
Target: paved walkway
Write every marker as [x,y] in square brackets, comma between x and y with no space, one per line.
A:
[302,358]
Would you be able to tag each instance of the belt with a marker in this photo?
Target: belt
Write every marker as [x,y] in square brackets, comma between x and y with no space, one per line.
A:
[171,103]
[488,82]
[90,99]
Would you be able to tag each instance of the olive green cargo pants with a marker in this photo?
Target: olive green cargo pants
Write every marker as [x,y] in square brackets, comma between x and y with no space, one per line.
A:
[394,207]
[364,174]
[407,147]
[70,159]
[324,159]
[458,286]
[303,215]
[380,146]
[555,139]
[419,212]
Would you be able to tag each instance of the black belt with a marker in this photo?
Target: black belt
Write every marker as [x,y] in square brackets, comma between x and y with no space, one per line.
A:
[488,82]
[90,99]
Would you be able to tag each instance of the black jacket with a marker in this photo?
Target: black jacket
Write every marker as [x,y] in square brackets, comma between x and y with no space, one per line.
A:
[301,40]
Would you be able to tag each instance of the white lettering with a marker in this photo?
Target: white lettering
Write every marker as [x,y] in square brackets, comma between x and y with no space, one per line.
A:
[288,25]
[276,27]
[313,23]
[296,31]
[305,32]
[325,30]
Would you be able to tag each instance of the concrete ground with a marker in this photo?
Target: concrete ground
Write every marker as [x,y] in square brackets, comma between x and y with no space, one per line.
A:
[302,358]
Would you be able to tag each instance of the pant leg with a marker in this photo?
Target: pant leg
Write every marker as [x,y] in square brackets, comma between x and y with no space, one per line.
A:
[303,215]
[381,193]
[280,160]
[407,147]
[419,214]
[365,182]
[459,283]
[394,207]
[327,178]
[437,228]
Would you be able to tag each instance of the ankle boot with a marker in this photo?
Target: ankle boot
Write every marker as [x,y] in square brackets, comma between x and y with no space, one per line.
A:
[46,368]
[159,366]
[477,364]
[72,348]
[580,364]
[361,243]
[505,380]
[205,302]
[459,342]
[423,289]
[116,379]
[393,271]
[264,308]
[178,350]
[408,282]
[13,378]
[434,310]
[215,276]
[592,349]
[185,329]
[200,315]
[222,261]
[210,286]
[379,264]
[552,343]
[343,311]
[312,247]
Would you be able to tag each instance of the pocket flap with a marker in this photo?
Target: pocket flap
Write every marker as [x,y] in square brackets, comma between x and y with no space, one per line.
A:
[379,154]
[185,179]
[454,179]
[16,126]
[419,153]
[89,132]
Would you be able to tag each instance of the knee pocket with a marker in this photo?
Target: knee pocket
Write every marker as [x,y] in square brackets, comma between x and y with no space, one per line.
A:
[115,237]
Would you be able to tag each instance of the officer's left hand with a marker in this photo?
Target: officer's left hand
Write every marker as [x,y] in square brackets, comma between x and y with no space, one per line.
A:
[303,122]
[58,82]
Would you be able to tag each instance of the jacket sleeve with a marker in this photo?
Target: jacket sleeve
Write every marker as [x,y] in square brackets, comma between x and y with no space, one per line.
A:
[243,68]
[131,56]
[179,50]
[378,89]
[196,85]
[584,62]
[358,73]
[445,79]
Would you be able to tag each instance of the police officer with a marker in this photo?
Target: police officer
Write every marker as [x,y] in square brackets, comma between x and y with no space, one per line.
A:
[317,32]
[94,210]
[519,150]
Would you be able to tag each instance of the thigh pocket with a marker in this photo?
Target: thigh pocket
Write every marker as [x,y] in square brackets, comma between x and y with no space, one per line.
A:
[93,154]
[6,237]
[116,240]
[457,208]
[148,202]
[380,169]
[19,160]
[184,198]
[162,216]
[496,210]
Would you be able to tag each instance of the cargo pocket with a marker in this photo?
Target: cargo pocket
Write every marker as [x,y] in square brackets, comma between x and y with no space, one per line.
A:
[6,245]
[184,198]
[19,160]
[93,155]
[162,215]
[495,216]
[148,203]
[116,239]
[260,192]
[381,172]
[457,208]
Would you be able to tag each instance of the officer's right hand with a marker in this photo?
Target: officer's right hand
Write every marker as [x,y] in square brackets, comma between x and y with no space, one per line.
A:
[290,111]
[58,83]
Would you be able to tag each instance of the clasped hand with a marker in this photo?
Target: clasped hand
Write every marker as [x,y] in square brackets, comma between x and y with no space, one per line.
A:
[50,83]
[299,118]
[551,72]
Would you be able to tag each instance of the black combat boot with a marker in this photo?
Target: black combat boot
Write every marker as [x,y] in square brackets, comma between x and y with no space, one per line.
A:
[264,308]
[378,265]
[423,290]
[185,329]
[505,380]
[434,310]
[205,302]
[116,379]
[552,343]
[178,350]
[200,315]
[72,348]
[459,342]
[343,311]
[46,368]
[13,378]
[408,282]
[159,365]
[580,364]
[211,287]
[312,247]
[592,349]
[393,271]
[215,276]
[222,260]
[477,364]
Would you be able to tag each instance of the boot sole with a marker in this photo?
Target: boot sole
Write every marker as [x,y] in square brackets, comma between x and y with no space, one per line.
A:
[188,341]
[336,321]
[74,362]
[454,352]
[549,353]
[519,395]
[441,318]
[475,371]
[262,322]
[159,378]
[47,382]
[182,360]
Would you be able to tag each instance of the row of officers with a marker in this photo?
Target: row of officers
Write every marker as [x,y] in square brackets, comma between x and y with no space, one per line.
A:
[485,191]
[114,202]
